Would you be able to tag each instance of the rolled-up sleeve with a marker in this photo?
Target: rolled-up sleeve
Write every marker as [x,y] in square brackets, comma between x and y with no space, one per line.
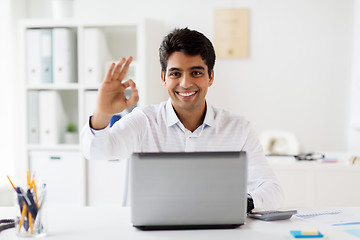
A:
[117,142]
[263,185]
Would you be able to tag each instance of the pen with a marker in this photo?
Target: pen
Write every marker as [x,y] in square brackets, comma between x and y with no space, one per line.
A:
[18,191]
[28,202]
[33,206]
[345,224]
[42,197]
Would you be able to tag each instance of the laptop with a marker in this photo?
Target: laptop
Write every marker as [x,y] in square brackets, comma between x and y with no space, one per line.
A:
[188,190]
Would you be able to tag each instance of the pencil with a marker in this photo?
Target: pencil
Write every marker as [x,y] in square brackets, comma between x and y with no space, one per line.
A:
[31,223]
[11,183]
[22,216]
[28,179]
[35,193]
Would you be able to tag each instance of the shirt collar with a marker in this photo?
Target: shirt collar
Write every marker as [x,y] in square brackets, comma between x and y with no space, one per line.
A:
[172,118]
[209,116]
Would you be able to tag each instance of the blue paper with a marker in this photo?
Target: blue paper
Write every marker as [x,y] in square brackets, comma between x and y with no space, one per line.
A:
[355,232]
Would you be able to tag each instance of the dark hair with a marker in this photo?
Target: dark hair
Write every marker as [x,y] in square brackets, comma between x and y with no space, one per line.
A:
[191,43]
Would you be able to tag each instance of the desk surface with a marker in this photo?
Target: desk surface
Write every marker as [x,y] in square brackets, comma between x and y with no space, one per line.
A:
[114,223]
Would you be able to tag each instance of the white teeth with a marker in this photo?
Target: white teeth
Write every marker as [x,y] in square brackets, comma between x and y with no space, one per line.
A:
[186,94]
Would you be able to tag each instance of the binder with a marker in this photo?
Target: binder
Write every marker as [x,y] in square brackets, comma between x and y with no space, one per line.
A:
[46,55]
[90,103]
[52,118]
[95,55]
[33,72]
[33,117]
[64,55]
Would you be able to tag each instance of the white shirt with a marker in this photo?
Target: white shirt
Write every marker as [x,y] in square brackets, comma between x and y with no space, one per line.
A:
[156,128]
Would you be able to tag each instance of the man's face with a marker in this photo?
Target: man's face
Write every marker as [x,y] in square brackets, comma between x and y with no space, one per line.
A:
[187,81]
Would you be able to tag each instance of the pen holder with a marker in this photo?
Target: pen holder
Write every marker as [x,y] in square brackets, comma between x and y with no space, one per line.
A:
[31,220]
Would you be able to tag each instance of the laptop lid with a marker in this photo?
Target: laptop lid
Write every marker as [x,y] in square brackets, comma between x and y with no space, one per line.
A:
[188,190]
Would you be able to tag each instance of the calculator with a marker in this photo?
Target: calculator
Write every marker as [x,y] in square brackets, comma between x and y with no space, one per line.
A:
[272,215]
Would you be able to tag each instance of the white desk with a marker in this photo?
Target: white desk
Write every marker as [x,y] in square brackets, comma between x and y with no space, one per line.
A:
[114,223]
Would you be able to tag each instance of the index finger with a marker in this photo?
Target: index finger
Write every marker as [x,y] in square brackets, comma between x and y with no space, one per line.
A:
[125,68]
[109,73]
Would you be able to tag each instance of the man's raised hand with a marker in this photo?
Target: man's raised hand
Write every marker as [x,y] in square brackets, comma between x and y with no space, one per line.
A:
[111,96]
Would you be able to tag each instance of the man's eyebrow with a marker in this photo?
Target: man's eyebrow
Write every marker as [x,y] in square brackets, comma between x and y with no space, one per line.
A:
[191,68]
[174,69]
[197,67]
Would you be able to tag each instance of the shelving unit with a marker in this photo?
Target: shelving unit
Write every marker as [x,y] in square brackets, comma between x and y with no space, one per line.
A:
[137,38]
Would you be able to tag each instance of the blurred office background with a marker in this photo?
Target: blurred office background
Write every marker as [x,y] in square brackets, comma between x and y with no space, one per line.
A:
[299,77]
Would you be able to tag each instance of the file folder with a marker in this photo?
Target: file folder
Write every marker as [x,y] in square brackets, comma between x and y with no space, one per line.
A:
[64,55]
[95,55]
[46,56]
[33,117]
[90,103]
[33,65]
[52,118]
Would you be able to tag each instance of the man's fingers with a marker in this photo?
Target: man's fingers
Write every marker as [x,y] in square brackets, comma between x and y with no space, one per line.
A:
[134,98]
[129,83]
[134,93]
[125,69]
[109,73]
[118,69]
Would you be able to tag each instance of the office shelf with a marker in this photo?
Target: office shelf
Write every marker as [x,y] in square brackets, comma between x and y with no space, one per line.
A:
[75,99]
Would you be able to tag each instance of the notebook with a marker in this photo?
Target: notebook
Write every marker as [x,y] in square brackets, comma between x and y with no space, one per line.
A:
[192,190]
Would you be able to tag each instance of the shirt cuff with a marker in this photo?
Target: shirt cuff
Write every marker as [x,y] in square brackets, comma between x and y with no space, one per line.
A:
[98,132]
[257,202]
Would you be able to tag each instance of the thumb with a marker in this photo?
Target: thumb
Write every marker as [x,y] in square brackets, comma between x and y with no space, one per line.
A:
[134,98]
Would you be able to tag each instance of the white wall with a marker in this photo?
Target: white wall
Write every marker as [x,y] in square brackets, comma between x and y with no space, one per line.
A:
[10,10]
[298,73]
[6,166]
[354,126]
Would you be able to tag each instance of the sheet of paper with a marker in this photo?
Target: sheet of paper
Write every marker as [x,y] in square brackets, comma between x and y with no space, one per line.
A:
[334,218]
[354,232]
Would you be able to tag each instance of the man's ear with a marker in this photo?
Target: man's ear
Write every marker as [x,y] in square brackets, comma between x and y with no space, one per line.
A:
[211,80]
[163,77]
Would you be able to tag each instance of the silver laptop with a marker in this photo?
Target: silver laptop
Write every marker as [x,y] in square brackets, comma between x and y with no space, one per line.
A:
[194,190]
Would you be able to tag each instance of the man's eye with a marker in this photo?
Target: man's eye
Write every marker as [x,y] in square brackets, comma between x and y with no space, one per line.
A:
[196,73]
[174,74]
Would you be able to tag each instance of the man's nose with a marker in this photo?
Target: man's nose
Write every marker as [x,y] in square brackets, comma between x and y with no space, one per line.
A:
[185,81]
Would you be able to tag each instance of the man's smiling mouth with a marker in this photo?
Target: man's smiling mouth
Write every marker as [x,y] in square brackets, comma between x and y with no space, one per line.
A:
[186,94]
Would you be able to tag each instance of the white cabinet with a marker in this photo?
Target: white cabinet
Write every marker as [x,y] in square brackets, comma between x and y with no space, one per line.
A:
[107,181]
[318,184]
[64,175]
[62,65]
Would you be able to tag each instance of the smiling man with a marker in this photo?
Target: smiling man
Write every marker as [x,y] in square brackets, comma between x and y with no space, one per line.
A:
[184,123]
[187,80]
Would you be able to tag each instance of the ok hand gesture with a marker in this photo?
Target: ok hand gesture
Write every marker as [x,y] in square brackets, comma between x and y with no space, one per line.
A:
[111,96]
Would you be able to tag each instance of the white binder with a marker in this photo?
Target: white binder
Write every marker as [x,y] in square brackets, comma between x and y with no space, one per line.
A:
[52,118]
[33,117]
[33,56]
[46,53]
[64,55]
[90,103]
[95,55]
